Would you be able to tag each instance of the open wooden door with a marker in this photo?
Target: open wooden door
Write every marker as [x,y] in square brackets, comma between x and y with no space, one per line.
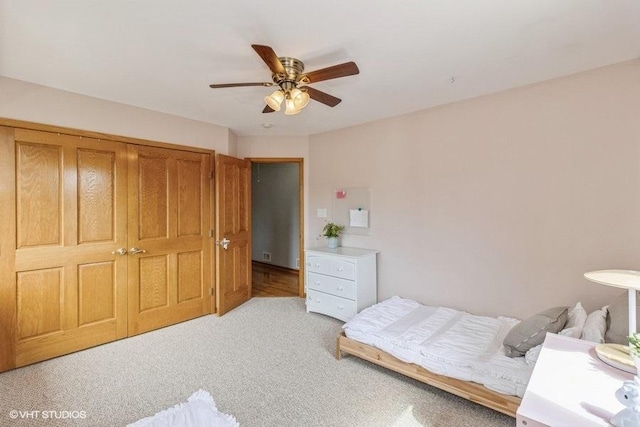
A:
[169,243]
[233,232]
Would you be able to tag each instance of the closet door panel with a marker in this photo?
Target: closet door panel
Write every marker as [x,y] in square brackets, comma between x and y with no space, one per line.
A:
[153,198]
[40,305]
[189,276]
[39,178]
[154,282]
[190,194]
[96,292]
[96,191]
[168,207]
[70,218]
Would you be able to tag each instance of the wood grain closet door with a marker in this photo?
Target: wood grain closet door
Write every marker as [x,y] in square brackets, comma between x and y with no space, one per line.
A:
[169,222]
[70,216]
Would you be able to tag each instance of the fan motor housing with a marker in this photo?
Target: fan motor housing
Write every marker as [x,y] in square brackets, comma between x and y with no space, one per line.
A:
[293,68]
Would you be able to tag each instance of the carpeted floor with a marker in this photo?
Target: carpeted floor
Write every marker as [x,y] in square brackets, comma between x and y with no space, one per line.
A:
[268,363]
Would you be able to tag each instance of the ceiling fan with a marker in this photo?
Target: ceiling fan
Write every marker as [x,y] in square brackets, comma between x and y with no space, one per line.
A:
[288,74]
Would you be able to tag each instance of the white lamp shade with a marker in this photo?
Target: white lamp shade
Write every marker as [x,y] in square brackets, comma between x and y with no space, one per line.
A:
[291,108]
[300,98]
[274,100]
[627,279]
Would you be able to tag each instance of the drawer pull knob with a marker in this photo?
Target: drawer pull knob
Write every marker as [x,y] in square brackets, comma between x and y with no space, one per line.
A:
[317,283]
[340,288]
[340,269]
[340,307]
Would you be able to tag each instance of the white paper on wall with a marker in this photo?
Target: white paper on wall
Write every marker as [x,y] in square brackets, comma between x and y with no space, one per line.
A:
[359,218]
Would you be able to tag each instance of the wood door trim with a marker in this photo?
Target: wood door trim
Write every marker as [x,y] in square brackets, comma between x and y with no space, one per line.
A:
[8,316]
[300,162]
[20,124]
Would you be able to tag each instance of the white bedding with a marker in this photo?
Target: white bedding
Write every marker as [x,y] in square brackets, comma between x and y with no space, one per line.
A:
[444,341]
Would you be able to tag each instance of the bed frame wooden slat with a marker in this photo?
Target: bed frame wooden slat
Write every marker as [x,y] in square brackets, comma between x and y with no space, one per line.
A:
[468,390]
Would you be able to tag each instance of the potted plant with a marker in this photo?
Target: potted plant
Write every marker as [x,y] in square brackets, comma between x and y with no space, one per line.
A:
[332,231]
[634,348]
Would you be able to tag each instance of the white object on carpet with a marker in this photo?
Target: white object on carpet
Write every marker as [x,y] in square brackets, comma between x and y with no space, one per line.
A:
[199,411]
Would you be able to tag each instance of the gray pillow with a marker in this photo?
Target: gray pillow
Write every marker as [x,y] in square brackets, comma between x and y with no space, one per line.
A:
[531,331]
[618,319]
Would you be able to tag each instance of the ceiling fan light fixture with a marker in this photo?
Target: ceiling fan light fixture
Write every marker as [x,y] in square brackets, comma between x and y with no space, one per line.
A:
[274,100]
[291,108]
[300,98]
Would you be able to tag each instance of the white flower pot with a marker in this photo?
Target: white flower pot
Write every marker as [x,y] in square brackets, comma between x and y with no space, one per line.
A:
[332,242]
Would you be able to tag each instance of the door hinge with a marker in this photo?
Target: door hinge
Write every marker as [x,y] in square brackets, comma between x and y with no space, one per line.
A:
[210,291]
[211,174]
[210,233]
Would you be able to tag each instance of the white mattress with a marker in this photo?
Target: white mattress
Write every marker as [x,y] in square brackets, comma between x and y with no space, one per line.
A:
[444,341]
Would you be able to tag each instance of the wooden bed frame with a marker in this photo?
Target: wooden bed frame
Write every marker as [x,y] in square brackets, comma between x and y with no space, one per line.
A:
[471,391]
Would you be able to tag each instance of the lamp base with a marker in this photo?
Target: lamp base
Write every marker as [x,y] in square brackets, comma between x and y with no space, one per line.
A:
[617,356]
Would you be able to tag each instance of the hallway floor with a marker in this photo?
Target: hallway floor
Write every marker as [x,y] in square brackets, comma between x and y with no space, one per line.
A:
[273,281]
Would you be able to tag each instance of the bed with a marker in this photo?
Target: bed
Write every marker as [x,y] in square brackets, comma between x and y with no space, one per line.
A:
[455,351]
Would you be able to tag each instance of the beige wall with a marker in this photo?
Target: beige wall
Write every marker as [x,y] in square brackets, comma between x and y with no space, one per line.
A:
[26,101]
[233,143]
[495,205]
[499,204]
[280,146]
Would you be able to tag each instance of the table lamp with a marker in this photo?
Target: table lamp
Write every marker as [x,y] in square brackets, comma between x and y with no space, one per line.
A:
[614,354]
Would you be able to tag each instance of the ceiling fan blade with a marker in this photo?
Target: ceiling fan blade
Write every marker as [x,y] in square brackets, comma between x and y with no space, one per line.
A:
[223,85]
[341,70]
[269,57]
[268,109]
[323,97]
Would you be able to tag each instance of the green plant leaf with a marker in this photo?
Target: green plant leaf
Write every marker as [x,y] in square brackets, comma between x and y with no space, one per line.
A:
[332,230]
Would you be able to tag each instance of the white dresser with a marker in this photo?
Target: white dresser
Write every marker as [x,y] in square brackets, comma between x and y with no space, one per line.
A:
[340,282]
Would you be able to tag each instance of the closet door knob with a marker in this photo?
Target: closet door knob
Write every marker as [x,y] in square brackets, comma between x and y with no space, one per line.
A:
[120,251]
[136,251]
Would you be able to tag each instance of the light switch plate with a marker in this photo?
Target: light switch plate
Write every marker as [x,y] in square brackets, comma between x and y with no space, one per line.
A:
[322,213]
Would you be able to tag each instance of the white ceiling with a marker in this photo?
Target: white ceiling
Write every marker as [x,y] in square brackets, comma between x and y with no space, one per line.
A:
[162,54]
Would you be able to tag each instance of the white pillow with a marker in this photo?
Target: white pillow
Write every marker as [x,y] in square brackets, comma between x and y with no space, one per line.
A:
[575,322]
[595,326]
[531,356]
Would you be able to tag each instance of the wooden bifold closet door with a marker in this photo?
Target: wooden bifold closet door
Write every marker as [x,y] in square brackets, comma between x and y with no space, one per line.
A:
[170,279]
[79,205]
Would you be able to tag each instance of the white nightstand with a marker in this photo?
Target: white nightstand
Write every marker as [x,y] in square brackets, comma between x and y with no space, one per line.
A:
[340,282]
[570,386]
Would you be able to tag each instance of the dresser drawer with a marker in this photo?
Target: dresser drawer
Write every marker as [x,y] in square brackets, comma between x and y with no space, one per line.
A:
[318,264]
[331,305]
[343,269]
[332,285]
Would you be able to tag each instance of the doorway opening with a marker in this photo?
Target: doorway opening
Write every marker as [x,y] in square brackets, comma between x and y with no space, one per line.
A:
[277,227]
